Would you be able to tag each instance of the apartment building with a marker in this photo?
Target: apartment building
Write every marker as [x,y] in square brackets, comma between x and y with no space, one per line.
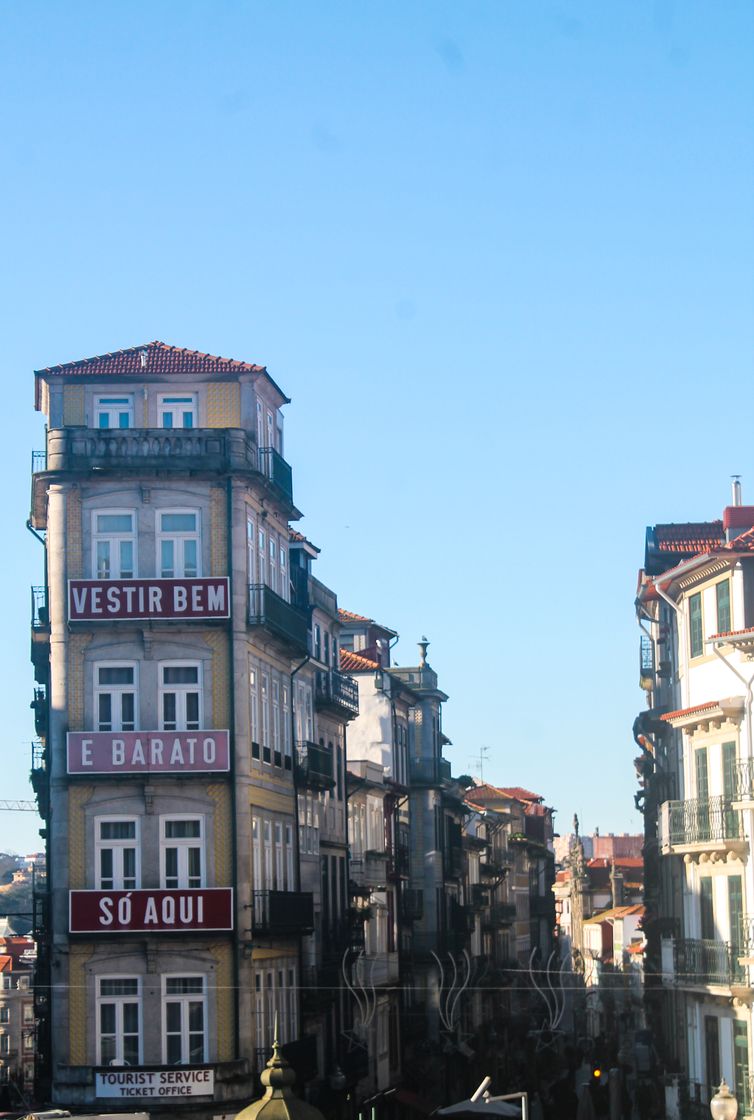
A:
[695,606]
[191,716]
[17,1019]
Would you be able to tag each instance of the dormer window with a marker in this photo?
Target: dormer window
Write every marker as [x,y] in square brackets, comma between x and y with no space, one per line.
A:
[177,411]
[114,412]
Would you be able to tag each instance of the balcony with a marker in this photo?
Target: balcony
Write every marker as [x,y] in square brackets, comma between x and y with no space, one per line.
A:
[314,766]
[500,916]
[337,693]
[702,962]
[40,633]
[282,621]
[479,896]
[496,866]
[39,707]
[274,467]
[39,777]
[646,663]
[368,869]
[282,913]
[745,784]
[412,904]
[703,825]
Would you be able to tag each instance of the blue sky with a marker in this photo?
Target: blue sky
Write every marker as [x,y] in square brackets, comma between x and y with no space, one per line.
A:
[499,255]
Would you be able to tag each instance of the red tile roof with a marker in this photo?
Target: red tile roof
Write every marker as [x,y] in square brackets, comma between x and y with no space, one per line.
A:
[349,616]
[299,538]
[742,543]
[690,711]
[351,662]
[521,794]
[733,633]
[160,359]
[689,536]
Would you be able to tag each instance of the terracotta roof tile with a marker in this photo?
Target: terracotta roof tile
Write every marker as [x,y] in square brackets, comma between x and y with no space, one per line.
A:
[351,662]
[690,536]
[349,616]
[521,794]
[732,633]
[690,711]
[299,538]
[742,543]
[160,359]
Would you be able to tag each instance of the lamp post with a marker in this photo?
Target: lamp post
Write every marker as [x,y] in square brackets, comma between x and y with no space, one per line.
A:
[723,1105]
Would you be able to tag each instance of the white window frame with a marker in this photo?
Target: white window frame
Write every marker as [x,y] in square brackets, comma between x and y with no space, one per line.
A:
[183,845]
[181,693]
[177,405]
[275,993]
[116,693]
[118,848]
[184,1000]
[119,1001]
[251,548]
[118,407]
[114,567]
[179,538]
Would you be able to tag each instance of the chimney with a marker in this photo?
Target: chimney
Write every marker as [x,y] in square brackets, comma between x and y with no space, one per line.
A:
[616,884]
[736,489]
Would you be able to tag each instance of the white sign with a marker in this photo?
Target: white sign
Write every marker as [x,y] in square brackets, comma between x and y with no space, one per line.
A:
[158,1084]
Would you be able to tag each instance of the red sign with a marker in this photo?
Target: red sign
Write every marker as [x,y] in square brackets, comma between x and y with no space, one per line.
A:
[147,752]
[99,600]
[151,911]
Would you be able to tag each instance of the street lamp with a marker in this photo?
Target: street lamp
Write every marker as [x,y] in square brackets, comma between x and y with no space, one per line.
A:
[723,1105]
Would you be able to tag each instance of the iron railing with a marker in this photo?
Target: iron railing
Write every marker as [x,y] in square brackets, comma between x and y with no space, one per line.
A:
[314,765]
[282,912]
[745,779]
[38,461]
[646,657]
[499,916]
[705,961]
[268,609]
[40,613]
[703,819]
[274,467]
[338,690]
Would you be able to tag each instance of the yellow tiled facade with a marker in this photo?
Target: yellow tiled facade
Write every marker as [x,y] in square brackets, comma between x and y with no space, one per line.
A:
[224,405]
[223,954]
[74,408]
[77,988]
[218,542]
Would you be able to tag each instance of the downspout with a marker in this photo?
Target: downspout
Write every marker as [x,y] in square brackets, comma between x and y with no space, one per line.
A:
[233,794]
[296,837]
[747,685]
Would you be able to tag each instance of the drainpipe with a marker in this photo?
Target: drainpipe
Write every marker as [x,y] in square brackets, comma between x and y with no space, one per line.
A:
[747,685]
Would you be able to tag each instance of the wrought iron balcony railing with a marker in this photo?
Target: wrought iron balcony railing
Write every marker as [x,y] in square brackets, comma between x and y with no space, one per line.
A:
[274,467]
[704,961]
[702,820]
[745,779]
[40,614]
[286,622]
[337,690]
[314,765]
[282,913]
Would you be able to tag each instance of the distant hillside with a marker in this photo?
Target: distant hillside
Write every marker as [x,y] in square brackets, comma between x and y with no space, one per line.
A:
[15,898]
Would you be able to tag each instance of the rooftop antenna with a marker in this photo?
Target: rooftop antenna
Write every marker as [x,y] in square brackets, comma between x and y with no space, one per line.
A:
[479,759]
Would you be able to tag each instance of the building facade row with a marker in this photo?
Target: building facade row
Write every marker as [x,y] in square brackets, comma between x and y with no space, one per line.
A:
[250,823]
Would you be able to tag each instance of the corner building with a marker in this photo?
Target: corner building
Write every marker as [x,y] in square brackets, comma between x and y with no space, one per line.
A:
[177,709]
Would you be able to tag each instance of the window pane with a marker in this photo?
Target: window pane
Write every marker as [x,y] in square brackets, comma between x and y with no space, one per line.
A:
[168,711]
[119,987]
[167,559]
[114,522]
[126,559]
[127,711]
[180,674]
[196,1016]
[103,559]
[107,1049]
[174,1047]
[190,567]
[188,419]
[131,1049]
[118,674]
[178,522]
[129,868]
[171,867]
[184,985]
[104,716]
[192,711]
[182,830]
[195,867]
[117,830]
[124,420]
[174,1017]
[167,419]
[107,1018]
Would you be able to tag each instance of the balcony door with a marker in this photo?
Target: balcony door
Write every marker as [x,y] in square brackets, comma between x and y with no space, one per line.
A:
[730,816]
[702,829]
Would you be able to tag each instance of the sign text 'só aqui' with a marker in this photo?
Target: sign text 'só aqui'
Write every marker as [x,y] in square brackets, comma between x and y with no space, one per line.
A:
[144,911]
[104,600]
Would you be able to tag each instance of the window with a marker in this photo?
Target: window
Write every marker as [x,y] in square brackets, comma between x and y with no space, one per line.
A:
[180,697]
[275,987]
[177,412]
[251,548]
[178,543]
[712,1049]
[254,713]
[722,596]
[28,1041]
[4,1015]
[4,1044]
[182,859]
[118,1021]
[117,854]
[287,746]
[114,544]
[115,697]
[277,743]
[184,1019]
[696,636]
[266,752]
[272,854]
[706,908]
[304,713]
[28,1012]
[114,412]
